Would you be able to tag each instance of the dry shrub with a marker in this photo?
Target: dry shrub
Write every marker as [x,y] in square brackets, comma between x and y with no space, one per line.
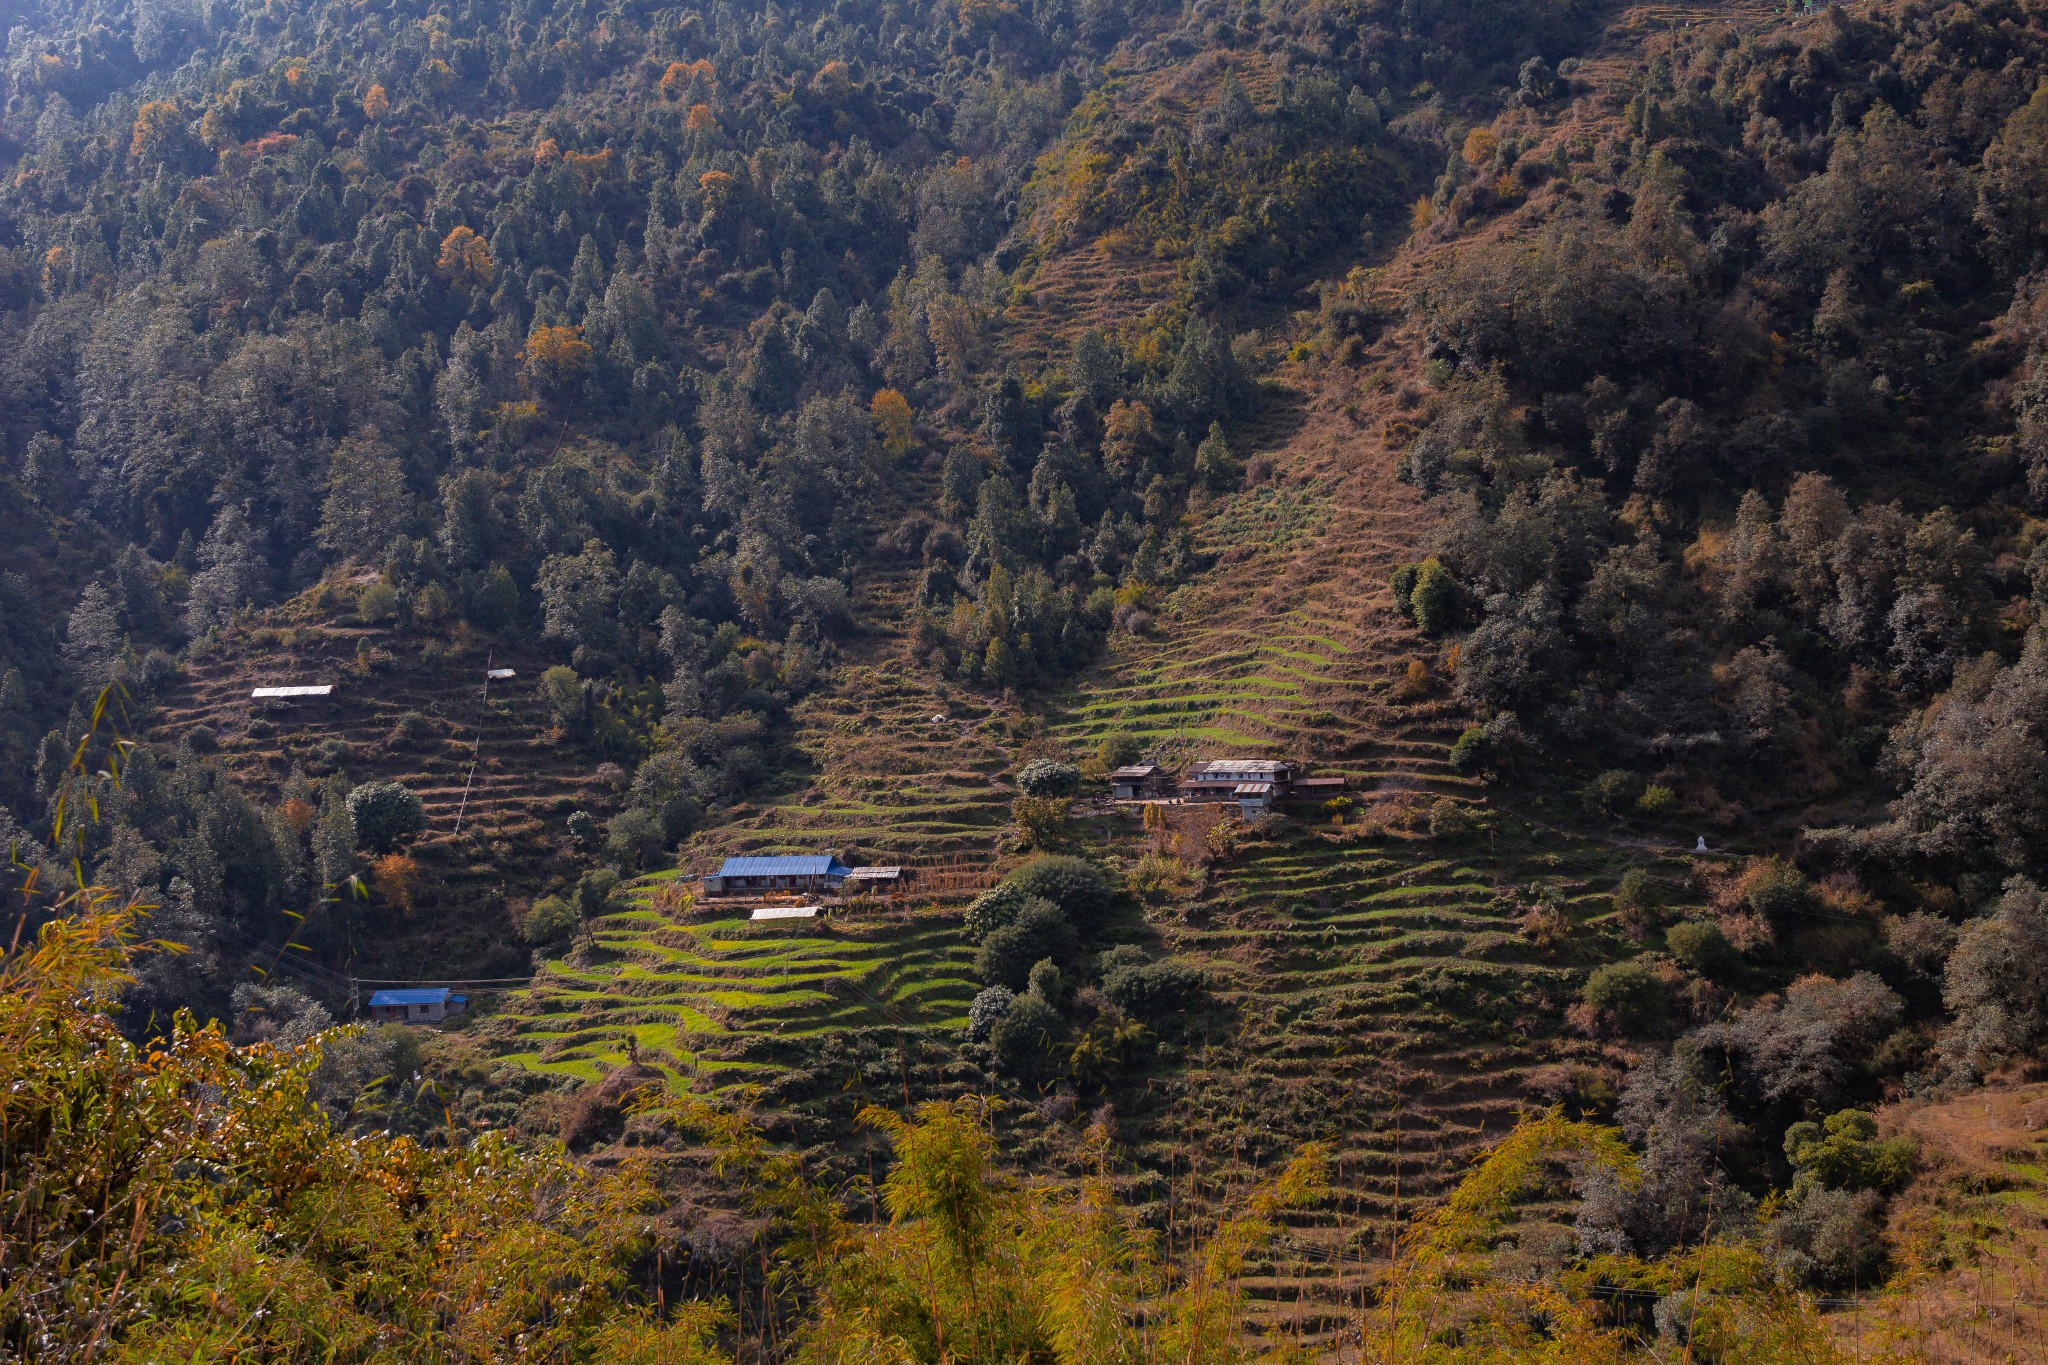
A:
[674,900]
[1416,683]
[1157,880]
[1545,925]
[597,1113]
[1842,894]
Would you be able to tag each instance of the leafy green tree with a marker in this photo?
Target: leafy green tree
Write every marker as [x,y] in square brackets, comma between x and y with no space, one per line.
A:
[1434,598]
[1700,946]
[1844,1152]
[1219,470]
[1629,995]
[385,814]
[1083,889]
[1046,777]
[1038,932]
[1027,1037]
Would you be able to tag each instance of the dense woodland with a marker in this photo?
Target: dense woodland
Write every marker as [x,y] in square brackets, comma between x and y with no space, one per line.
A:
[638,332]
[654,337]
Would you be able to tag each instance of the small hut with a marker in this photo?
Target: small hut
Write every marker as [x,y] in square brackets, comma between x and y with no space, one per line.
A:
[759,876]
[423,1005]
[1139,782]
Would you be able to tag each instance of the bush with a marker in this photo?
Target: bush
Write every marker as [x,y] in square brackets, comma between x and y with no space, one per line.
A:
[1403,584]
[1450,819]
[1611,793]
[1215,465]
[1046,778]
[583,828]
[1041,820]
[634,838]
[988,1008]
[377,604]
[1844,1152]
[1024,1037]
[1656,799]
[1633,894]
[1008,954]
[1082,888]
[1434,599]
[385,813]
[1046,983]
[1777,890]
[412,728]
[1813,1045]
[594,892]
[1700,946]
[1996,982]
[201,739]
[551,920]
[328,756]
[1120,749]
[1629,995]
[568,697]
[1158,879]
[1473,751]
[996,907]
[1831,1239]
[1149,990]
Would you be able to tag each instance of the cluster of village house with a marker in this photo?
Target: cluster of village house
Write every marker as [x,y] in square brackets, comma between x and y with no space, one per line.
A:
[1253,785]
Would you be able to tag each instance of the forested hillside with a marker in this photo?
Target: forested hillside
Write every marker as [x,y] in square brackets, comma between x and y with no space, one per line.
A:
[1613,440]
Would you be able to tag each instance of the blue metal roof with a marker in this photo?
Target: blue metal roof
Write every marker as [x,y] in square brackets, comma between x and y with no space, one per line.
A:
[437,995]
[809,866]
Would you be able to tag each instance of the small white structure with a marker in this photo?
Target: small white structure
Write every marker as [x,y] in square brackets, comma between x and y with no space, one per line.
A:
[422,1006]
[867,878]
[499,674]
[1254,798]
[290,693]
[1701,846]
[768,912]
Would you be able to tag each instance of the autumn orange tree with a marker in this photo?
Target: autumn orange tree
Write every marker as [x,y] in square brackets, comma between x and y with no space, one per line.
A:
[159,133]
[465,259]
[556,360]
[892,415]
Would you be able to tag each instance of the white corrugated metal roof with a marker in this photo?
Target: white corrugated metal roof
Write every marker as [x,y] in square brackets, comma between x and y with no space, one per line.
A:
[874,874]
[1220,766]
[785,912]
[497,673]
[313,690]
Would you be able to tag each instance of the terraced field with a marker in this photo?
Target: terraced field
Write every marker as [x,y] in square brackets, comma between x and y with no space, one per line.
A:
[497,784]
[723,1001]
[902,772]
[1374,987]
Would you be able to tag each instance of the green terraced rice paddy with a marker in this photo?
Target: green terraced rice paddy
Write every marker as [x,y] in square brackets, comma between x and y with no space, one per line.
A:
[687,993]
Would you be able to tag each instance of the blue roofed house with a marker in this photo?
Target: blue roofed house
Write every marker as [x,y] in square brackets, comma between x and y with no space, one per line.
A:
[425,1005]
[759,876]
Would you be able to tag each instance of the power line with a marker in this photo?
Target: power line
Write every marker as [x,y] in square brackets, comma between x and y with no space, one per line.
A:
[449,981]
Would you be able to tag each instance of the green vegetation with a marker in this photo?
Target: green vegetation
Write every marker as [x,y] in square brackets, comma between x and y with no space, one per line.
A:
[306,1243]
[848,429]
